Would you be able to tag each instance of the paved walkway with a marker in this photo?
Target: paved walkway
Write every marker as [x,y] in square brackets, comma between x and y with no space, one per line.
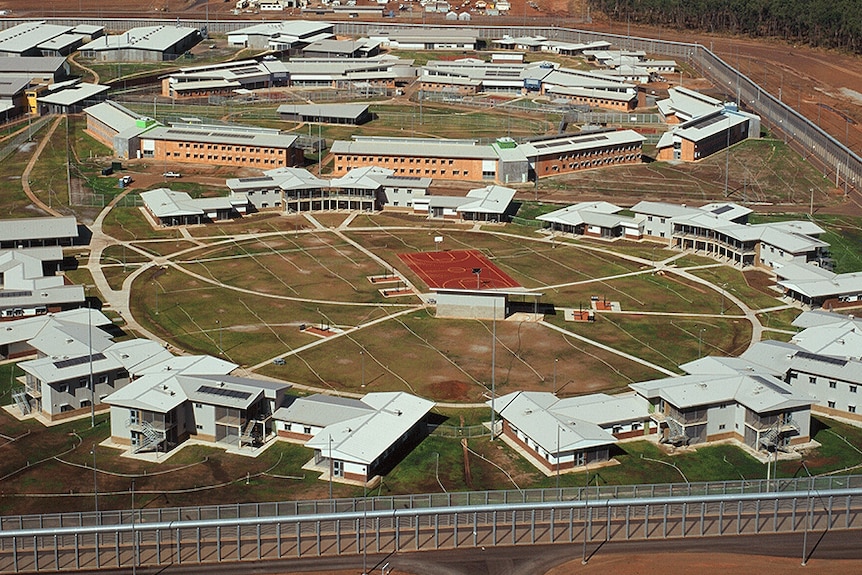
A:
[25,176]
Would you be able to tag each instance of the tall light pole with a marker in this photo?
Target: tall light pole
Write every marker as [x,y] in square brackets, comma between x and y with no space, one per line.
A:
[362,364]
[478,272]
[558,456]
[95,484]
[700,341]
[218,326]
[90,352]
[134,534]
[493,367]
[556,359]
[331,467]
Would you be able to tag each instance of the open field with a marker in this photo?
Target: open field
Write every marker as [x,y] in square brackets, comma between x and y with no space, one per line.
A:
[450,361]
[665,341]
[737,284]
[315,266]
[764,171]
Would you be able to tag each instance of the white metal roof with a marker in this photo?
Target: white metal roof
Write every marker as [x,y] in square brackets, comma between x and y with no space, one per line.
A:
[348,111]
[573,143]
[320,410]
[74,94]
[535,414]
[416,147]
[760,392]
[38,228]
[114,116]
[491,199]
[226,135]
[152,38]
[28,35]
[365,438]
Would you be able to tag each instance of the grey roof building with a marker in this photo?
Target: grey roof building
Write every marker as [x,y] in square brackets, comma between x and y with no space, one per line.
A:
[40,70]
[117,127]
[24,39]
[754,408]
[354,441]
[146,43]
[171,208]
[70,97]
[325,113]
[568,434]
[27,286]
[37,232]
[281,36]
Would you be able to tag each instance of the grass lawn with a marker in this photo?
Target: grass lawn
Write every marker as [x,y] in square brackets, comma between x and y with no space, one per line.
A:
[164,248]
[113,255]
[652,251]
[117,274]
[315,266]
[737,286]
[760,171]
[665,341]
[423,355]
[263,222]
[645,292]
[781,319]
[128,223]
[197,316]
[8,373]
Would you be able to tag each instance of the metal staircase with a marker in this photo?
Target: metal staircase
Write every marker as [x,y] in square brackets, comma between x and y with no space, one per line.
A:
[150,437]
[246,436]
[771,438]
[21,401]
[676,432]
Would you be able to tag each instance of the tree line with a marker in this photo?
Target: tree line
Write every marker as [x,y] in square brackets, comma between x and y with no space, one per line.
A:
[826,23]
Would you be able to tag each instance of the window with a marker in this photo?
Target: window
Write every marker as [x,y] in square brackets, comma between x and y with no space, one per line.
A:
[721,426]
[64,388]
[198,406]
[812,379]
[831,404]
[832,385]
[287,426]
[852,389]
[199,426]
[851,408]
[306,430]
[103,378]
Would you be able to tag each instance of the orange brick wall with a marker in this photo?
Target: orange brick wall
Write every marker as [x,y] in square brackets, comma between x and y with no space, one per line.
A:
[432,86]
[665,153]
[605,104]
[227,154]
[565,163]
[442,168]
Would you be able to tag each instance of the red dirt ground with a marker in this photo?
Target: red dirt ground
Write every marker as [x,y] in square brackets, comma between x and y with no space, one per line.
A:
[454,270]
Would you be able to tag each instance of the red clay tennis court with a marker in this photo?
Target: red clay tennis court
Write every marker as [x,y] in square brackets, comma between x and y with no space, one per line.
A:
[457,270]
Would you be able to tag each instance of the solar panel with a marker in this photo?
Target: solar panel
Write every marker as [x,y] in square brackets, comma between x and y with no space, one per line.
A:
[710,121]
[64,363]
[188,132]
[821,358]
[232,135]
[257,179]
[770,384]
[722,210]
[223,392]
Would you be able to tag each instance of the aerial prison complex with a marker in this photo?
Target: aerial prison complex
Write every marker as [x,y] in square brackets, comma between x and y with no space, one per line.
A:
[157,401]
